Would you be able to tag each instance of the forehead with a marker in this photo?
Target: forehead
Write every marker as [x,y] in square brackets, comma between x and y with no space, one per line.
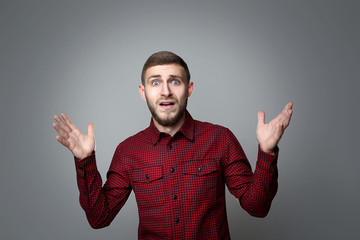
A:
[165,70]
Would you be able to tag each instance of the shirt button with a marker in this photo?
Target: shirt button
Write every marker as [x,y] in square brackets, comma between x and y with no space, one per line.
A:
[170,147]
[200,169]
[172,170]
[147,176]
[177,220]
[175,197]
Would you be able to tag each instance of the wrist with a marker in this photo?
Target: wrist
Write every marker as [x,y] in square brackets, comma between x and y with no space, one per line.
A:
[82,156]
[270,151]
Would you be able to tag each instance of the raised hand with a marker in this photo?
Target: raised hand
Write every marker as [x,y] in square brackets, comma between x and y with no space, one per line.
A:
[269,135]
[79,144]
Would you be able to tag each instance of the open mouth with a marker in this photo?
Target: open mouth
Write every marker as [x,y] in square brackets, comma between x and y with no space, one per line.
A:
[167,104]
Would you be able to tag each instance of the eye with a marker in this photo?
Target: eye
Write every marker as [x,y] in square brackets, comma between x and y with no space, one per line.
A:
[175,82]
[155,83]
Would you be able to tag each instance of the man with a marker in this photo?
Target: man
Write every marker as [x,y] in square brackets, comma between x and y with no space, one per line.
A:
[177,167]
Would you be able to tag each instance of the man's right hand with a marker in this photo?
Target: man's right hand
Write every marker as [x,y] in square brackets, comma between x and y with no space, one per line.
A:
[79,144]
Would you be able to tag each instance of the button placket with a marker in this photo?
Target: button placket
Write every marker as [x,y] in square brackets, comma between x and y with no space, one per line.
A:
[173,176]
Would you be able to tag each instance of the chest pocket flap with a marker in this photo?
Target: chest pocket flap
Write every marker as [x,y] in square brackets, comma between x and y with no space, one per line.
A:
[147,175]
[200,168]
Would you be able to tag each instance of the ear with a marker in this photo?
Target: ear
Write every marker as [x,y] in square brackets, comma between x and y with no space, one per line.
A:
[190,88]
[142,92]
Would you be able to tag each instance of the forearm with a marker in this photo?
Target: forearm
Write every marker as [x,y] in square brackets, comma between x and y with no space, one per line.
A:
[94,198]
[263,185]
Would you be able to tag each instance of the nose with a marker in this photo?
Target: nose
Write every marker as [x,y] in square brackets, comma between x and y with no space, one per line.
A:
[166,90]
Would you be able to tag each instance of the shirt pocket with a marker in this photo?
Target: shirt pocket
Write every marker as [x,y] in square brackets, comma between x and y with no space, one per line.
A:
[149,186]
[200,180]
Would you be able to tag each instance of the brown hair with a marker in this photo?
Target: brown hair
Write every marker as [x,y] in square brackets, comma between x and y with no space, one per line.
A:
[162,58]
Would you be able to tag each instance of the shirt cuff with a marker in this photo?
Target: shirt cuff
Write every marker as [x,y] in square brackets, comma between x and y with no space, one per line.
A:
[87,165]
[267,161]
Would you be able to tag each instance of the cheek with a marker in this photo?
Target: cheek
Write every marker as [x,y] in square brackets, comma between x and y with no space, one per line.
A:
[181,95]
[150,96]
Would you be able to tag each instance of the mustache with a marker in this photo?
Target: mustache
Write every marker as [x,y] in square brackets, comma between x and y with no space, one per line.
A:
[167,99]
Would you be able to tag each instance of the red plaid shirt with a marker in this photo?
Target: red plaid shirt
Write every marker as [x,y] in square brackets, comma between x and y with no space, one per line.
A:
[179,182]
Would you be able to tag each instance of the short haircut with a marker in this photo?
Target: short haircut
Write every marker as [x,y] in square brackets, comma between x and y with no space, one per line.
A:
[163,58]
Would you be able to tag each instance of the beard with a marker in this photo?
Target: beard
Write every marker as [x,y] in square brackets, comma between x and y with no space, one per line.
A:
[168,120]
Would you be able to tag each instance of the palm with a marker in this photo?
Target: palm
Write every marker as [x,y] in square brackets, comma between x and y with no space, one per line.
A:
[81,145]
[269,135]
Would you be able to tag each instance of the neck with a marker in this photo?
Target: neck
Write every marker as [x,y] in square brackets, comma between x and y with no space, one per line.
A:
[171,130]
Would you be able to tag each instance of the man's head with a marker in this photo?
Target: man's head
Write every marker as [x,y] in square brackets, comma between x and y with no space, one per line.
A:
[166,87]
[162,58]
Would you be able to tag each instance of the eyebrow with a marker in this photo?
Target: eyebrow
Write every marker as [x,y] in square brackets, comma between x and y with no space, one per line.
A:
[154,76]
[171,76]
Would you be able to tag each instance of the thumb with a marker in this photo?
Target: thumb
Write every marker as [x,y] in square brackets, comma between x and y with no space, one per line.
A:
[261,117]
[90,129]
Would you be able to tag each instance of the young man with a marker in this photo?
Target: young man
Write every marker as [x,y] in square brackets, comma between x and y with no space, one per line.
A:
[177,167]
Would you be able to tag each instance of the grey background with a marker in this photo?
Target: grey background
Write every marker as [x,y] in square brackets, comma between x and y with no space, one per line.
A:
[85,57]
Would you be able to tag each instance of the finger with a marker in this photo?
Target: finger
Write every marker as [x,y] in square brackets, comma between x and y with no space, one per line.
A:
[284,119]
[261,117]
[62,124]
[58,119]
[288,118]
[63,142]
[61,131]
[57,128]
[90,129]
[281,116]
[288,107]
[68,121]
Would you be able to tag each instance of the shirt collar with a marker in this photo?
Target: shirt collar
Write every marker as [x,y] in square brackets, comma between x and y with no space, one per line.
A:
[187,129]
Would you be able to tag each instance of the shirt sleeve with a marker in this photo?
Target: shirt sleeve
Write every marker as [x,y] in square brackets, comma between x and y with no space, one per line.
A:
[254,190]
[101,203]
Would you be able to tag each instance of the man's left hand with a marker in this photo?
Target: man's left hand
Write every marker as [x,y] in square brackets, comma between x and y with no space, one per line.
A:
[269,135]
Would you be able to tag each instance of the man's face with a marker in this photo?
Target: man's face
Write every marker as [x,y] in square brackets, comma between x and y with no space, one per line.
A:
[166,92]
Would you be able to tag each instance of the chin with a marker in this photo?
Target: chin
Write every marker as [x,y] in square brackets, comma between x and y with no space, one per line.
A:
[168,119]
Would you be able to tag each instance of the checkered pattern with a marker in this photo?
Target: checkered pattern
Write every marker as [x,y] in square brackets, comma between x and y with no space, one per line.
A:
[179,182]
